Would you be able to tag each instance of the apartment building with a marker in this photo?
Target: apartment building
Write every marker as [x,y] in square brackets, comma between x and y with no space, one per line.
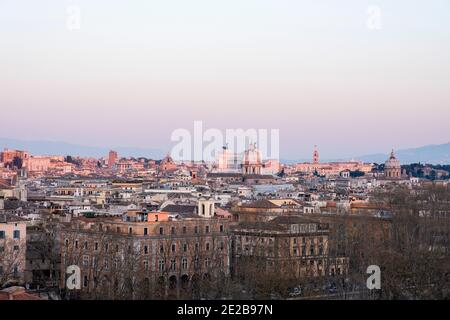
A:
[12,248]
[172,251]
[292,245]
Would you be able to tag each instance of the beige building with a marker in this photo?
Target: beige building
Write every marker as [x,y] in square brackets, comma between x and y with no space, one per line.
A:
[168,252]
[12,248]
[331,168]
[292,245]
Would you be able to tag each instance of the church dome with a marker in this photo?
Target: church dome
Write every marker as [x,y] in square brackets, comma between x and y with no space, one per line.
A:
[167,159]
[252,155]
[392,162]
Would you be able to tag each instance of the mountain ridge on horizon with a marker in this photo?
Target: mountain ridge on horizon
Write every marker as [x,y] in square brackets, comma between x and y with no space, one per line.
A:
[432,153]
[44,147]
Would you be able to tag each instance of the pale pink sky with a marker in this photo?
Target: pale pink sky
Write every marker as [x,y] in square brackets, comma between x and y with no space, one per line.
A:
[133,73]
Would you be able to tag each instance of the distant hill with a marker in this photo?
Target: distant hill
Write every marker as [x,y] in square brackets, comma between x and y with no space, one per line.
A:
[432,154]
[40,147]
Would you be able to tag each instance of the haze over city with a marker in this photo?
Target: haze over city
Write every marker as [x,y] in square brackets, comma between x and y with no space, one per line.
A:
[130,75]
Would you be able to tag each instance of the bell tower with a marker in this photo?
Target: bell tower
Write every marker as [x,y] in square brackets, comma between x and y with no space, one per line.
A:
[315,155]
[205,208]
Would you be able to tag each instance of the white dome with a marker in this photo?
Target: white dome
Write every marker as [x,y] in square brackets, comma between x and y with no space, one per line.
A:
[392,162]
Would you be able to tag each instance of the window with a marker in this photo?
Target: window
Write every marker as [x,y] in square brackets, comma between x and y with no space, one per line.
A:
[145,249]
[173,248]
[16,248]
[116,263]
[196,247]
[96,246]
[161,265]
[184,263]
[207,262]
[311,250]
[85,245]
[146,265]
[196,262]
[207,246]
[130,230]
[2,249]
[173,264]
[195,229]
[221,228]
[161,230]
[207,229]
[85,261]
[106,264]
[184,229]
[15,271]
[145,231]
[222,245]
[76,244]
[16,234]
[161,249]
[185,246]
[172,230]
[85,281]
[106,247]
[66,242]
[2,234]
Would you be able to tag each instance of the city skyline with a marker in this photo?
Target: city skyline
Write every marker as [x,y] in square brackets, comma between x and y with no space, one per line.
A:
[131,75]
[224,155]
[431,153]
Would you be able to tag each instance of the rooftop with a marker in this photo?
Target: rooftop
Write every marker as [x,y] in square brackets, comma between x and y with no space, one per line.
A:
[5,218]
[17,293]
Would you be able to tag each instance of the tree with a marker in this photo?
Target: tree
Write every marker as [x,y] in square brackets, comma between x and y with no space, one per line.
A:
[12,261]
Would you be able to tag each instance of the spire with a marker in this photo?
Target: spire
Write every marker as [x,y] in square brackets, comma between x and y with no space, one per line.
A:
[392,154]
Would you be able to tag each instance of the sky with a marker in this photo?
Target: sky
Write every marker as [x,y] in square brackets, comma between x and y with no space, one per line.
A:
[336,74]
